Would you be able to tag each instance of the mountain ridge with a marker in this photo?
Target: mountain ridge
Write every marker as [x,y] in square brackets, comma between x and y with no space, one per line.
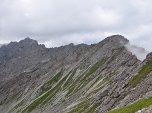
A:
[72,78]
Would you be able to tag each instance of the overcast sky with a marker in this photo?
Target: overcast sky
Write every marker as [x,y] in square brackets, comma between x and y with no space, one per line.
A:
[59,22]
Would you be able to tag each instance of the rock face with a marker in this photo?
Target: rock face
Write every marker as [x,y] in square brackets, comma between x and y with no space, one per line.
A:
[97,78]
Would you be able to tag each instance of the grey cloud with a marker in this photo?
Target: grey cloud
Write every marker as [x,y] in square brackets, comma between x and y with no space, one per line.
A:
[140,52]
[58,22]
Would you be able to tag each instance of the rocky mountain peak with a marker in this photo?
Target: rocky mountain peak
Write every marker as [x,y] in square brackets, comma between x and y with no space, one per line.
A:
[114,41]
[28,42]
[117,39]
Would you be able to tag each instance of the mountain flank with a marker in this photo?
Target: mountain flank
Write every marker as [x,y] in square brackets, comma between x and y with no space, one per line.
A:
[100,78]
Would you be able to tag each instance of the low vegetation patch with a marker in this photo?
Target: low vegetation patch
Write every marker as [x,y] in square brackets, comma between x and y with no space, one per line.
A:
[47,96]
[82,80]
[93,108]
[117,50]
[145,70]
[132,108]
[50,83]
[79,108]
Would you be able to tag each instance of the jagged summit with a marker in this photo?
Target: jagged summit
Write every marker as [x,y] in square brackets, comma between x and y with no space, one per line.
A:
[25,42]
[117,39]
[28,41]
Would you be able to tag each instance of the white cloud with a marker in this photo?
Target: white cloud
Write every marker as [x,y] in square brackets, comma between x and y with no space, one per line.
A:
[77,38]
[140,52]
[77,21]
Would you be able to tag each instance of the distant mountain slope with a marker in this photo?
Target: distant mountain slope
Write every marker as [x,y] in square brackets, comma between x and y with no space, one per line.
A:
[97,78]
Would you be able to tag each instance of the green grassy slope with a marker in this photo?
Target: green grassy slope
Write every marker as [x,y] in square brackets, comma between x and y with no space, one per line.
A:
[145,70]
[132,108]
